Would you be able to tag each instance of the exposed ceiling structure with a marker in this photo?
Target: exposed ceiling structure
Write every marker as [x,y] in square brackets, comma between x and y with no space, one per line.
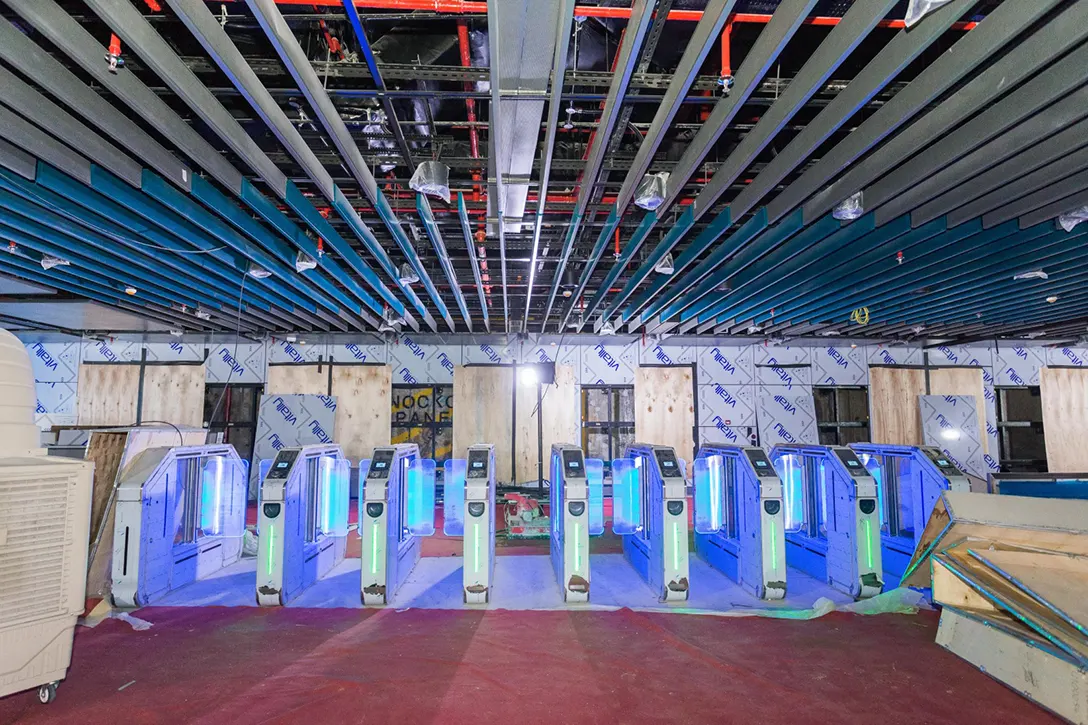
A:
[221,166]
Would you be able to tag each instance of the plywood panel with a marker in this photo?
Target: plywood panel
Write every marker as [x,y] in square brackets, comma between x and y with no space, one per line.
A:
[1064,394]
[483,412]
[363,407]
[893,405]
[107,395]
[174,394]
[665,408]
[962,381]
[297,380]
[559,416]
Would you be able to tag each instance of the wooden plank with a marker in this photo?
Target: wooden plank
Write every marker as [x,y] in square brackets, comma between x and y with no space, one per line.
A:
[991,643]
[1064,393]
[483,413]
[559,416]
[297,380]
[1056,580]
[893,405]
[950,591]
[363,408]
[962,381]
[107,395]
[174,394]
[665,408]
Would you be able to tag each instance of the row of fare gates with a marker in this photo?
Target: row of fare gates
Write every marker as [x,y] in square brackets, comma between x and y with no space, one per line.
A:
[848,516]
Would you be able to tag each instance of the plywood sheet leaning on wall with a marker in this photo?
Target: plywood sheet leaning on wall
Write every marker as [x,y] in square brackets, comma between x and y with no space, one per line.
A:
[174,394]
[1064,393]
[111,450]
[297,380]
[559,416]
[665,408]
[962,381]
[893,405]
[107,395]
[483,412]
[363,408]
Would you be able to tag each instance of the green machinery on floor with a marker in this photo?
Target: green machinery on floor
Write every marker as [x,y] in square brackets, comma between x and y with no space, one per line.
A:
[831,517]
[577,512]
[180,516]
[397,508]
[649,509]
[739,517]
[303,519]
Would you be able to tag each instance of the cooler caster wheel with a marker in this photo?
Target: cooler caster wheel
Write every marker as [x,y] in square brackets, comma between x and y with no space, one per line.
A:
[47,693]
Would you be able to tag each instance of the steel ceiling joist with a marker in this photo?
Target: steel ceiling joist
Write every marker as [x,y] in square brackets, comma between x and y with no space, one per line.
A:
[29,137]
[17,160]
[435,235]
[1041,106]
[1002,26]
[466,228]
[788,17]
[559,66]
[637,26]
[1052,196]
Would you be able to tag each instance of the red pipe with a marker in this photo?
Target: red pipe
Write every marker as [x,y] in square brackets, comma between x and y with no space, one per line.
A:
[470,104]
[727,35]
[464,7]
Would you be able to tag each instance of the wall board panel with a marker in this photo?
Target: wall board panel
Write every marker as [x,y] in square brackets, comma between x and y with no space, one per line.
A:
[1064,394]
[174,394]
[107,394]
[665,408]
[363,408]
[962,381]
[483,412]
[297,380]
[559,416]
[894,417]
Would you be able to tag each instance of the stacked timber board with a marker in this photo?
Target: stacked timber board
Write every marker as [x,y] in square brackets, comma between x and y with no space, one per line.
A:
[1011,574]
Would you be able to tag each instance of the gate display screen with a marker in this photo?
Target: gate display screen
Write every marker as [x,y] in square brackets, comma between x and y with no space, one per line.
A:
[379,465]
[760,463]
[573,465]
[666,459]
[853,465]
[477,464]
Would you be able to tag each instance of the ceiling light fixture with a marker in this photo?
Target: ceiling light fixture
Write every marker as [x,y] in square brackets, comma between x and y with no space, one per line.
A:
[130,290]
[1052,299]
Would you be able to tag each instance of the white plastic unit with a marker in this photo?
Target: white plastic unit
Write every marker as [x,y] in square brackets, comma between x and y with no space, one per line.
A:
[180,516]
[45,519]
[303,521]
[479,512]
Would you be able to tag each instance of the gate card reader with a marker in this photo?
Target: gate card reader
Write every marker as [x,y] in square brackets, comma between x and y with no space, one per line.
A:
[650,511]
[180,516]
[395,509]
[910,481]
[303,520]
[739,517]
[831,517]
[577,512]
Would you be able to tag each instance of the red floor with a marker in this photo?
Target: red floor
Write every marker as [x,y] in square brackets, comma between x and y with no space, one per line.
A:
[247,665]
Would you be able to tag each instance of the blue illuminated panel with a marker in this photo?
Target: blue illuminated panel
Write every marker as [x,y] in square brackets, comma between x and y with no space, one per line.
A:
[222,498]
[626,497]
[334,476]
[595,480]
[453,505]
[419,492]
[708,473]
[792,476]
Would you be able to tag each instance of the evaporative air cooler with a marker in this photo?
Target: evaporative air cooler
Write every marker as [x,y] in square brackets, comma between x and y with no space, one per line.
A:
[45,511]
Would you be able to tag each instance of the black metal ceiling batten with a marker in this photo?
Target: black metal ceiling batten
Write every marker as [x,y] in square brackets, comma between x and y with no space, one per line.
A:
[559,67]
[495,191]
[637,26]
[17,160]
[1062,205]
[999,28]
[1022,63]
[29,137]
[785,21]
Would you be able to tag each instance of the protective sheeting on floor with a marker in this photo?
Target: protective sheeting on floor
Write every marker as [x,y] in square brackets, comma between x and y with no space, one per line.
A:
[244,665]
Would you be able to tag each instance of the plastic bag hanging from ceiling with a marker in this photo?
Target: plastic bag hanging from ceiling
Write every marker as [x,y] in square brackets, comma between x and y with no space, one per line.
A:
[432,178]
[304,262]
[918,9]
[49,261]
[651,191]
[1073,218]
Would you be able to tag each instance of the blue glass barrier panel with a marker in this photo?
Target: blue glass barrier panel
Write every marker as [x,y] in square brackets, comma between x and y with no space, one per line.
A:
[708,473]
[626,497]
[334,477]
[419,492]
[453,494]
[595,481]
[223,498]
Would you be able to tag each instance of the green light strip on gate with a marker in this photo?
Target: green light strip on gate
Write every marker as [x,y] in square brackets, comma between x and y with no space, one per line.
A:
[374,550]
[476,546]
[774,547]
[271,545]
[577,547]
[676,546]
[869,541]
